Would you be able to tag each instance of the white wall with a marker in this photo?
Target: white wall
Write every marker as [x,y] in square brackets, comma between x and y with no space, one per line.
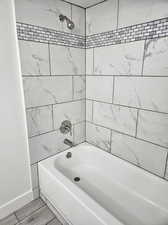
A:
[15,182]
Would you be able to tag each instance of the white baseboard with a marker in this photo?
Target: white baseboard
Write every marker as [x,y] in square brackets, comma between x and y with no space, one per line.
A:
[15,204]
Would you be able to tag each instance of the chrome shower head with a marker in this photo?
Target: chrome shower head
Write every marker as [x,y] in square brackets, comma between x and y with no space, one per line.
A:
[70,24]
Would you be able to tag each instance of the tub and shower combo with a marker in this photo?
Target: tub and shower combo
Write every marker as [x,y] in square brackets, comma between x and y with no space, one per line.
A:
[90,187]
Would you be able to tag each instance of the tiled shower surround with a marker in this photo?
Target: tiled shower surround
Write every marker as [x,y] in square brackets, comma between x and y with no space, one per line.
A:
[117,99]
[53,75]
[127,81]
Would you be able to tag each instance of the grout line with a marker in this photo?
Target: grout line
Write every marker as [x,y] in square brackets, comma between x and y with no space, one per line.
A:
[143,58]
[118,8]
[52,110]
[136,129]
[111,133]
[92,110]
[73,91]
[49,57]
[66,1]
[129,135]
[166,165]
[113,89]
[49,76]
[126,106]
[93,5]
[93,61]
[126,75]
[58,103]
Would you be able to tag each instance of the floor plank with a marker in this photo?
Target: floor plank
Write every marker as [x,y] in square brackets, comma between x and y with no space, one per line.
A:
[39,217]
[10,220]
[55,222]
[29,209]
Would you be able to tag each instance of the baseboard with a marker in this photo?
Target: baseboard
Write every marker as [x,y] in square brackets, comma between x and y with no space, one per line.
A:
[15,204]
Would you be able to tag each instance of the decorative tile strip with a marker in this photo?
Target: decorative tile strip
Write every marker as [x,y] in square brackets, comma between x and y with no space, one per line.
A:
[34,33]
[149,30]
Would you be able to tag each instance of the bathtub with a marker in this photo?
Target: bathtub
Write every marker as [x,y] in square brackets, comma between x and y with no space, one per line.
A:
[96,188]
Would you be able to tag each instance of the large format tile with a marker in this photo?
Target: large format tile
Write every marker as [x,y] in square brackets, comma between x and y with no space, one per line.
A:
[89,61]
[99,88]
[10,220]
[122,59]
[39,217]
[89,110]
[34,58]
[46,145]
[67,61]
[134,12]
[102,17]
[72,111]
[119,118]
[79,133]
[153,127]
[155,57]
[98,136]
[47,90]
[142,92]
[78,17]
[28,209]
[43,13]
[79,87]
[39,120]
[141,153]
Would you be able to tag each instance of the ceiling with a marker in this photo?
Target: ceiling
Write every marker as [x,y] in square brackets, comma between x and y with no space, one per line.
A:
[85,3]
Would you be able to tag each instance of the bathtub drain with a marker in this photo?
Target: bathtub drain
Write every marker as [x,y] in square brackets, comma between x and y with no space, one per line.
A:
[77,179]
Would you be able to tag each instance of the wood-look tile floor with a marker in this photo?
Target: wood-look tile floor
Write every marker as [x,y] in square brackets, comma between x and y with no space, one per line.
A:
[34,213]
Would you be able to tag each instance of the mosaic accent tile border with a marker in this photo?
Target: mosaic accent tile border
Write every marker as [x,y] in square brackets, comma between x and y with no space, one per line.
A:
[34,33]
[149,30]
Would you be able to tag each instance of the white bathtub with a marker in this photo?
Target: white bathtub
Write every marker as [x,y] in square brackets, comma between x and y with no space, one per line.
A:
[110,191]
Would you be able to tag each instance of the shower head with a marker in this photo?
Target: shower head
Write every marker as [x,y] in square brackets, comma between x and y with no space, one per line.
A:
[70,24]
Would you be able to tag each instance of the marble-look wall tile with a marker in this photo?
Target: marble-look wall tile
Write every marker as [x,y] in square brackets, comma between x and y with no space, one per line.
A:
[73,111]
[67,60]
[119,118]
[155,57]
[134,12]
[78,17]
[89,110]
[47,90]
[34,58]
[153,127]
[43,13]
[102,17]
[79,133]
[99,88]
[46,145]
[34,175]
[140,153]
[122,59]
[39,120]
[142,92]
[79,87]
[98,136]
[89,61]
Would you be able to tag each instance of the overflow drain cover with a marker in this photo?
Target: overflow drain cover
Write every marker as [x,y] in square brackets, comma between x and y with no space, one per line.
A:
[77,179]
